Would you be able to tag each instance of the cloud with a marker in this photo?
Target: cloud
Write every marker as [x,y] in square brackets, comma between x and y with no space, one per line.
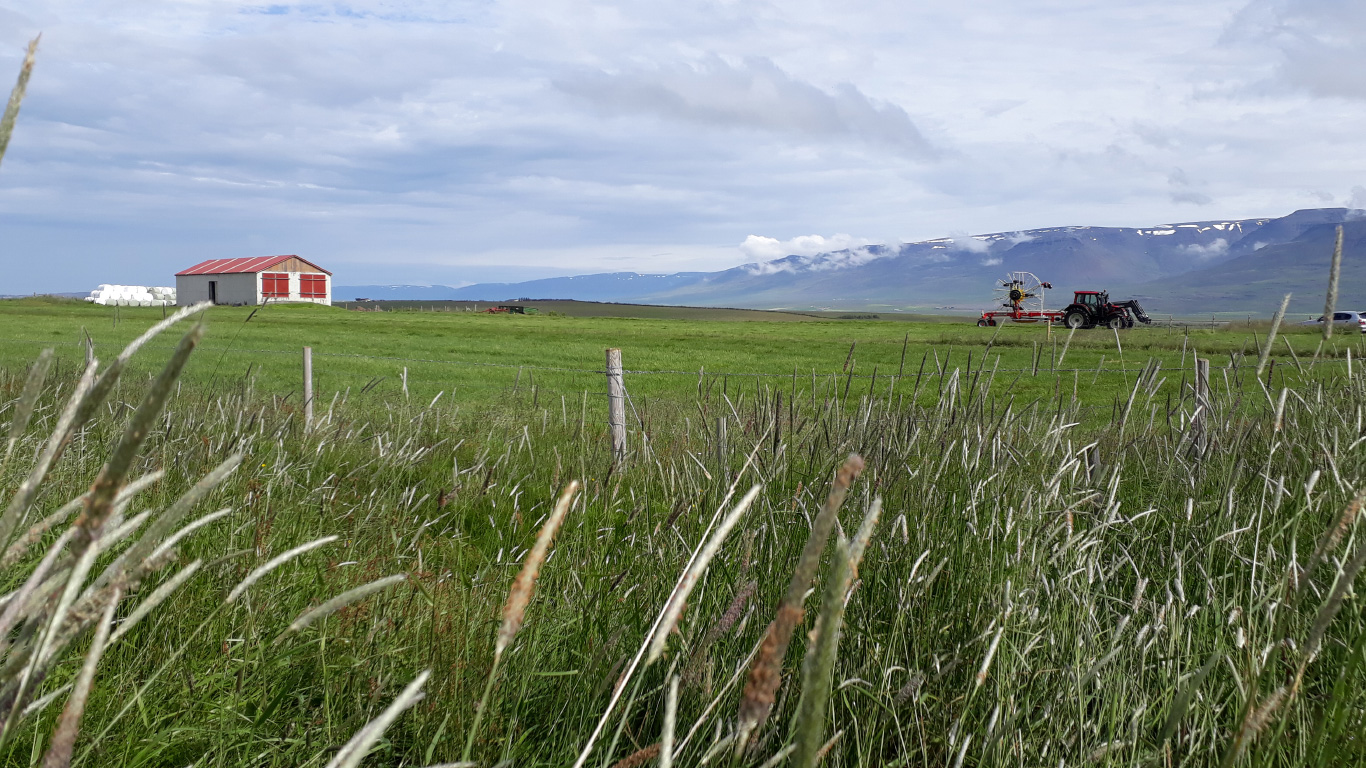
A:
[810,253]
[1207,251]
[752,93]
[1321,43]
[1194,198]
[415,140]
[991,262]
[762,248]
[970,244]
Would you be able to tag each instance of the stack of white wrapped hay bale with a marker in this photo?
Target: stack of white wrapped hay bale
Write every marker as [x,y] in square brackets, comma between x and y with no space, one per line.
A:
[132,296]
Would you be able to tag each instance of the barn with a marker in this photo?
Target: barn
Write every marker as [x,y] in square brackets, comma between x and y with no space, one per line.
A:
[254,281]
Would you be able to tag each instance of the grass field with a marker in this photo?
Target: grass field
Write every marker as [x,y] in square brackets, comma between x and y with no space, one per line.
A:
[1051,580]
[476,359]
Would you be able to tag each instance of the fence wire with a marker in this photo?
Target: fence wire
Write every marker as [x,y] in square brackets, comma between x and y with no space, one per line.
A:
[1123,369]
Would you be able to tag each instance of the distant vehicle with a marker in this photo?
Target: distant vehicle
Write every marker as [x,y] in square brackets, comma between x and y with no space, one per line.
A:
[1090,309]
[1353,319]
[1021,297]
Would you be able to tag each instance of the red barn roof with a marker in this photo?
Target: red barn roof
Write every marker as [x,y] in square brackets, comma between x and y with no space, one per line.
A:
[236,266]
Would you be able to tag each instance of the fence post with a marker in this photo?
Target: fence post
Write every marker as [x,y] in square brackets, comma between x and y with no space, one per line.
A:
[1202,402]
[308,388]
[616,402]
[722,454]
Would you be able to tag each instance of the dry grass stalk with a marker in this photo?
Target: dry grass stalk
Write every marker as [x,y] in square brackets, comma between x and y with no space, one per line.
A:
[175,538]
[64,737]
[1332,537]
[111,477]
[158,596]
[766,673]
[272,564]
[1331,300]
[524,586]
[341,601]
[519,597]
[16,96]
[1331,606]
[638,758]
[666,741]
[674,609]
[35,532]
[134,558]
[1271,335]
[14,609]
[66,424]
[865,534]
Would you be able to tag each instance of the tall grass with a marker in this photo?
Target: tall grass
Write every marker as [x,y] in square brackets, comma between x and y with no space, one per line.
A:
[1039,590]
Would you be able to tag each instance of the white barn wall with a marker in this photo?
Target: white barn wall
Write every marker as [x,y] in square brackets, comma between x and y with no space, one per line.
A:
[240,288]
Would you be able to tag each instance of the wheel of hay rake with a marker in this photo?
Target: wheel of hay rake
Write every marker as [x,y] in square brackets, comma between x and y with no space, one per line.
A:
[982,322]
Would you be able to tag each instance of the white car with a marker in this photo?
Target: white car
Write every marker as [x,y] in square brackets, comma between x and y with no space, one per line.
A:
[1353,319]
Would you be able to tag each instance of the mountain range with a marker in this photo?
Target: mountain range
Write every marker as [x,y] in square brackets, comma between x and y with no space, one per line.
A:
[1185,268]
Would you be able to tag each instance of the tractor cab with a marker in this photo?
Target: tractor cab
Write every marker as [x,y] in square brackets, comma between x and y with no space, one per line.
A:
[1091,299]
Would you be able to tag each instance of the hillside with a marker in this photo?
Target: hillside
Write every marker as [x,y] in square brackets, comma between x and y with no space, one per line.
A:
[1256,282]
[948,271]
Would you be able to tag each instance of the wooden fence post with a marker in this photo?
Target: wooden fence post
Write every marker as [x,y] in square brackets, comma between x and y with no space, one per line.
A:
[616,402]
[308,388]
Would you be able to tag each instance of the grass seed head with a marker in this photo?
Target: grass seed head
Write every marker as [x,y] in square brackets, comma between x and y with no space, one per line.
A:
[514,611]
[766,673]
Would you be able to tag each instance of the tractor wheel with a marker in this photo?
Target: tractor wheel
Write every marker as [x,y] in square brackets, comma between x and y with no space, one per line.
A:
[982,323]
[1116,323]
[1075,319]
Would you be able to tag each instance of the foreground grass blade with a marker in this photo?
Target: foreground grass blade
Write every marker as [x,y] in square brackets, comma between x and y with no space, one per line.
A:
[64,737]
[674,609]
[16,96]
[273,563]
[765,674]
[519,597]
[1181,704]
[23,410]
[69,420]
[819,664]
[344,599]
[355,750]
[111,478]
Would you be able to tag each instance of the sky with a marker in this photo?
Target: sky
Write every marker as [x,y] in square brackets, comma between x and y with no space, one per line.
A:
[456,142]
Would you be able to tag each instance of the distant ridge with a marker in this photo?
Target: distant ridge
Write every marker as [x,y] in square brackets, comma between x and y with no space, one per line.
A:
[1220,257]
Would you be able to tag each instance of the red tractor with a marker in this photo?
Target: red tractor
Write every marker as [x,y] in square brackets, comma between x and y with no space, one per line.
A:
[1090,309]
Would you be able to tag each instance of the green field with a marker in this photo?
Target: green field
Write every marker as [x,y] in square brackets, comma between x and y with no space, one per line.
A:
[1075,562]
[477,359]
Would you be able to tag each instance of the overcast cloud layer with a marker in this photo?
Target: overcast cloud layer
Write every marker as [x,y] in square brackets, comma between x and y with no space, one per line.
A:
[454,142]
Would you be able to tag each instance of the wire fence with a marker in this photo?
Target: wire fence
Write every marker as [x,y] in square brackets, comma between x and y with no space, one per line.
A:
[1123,368]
